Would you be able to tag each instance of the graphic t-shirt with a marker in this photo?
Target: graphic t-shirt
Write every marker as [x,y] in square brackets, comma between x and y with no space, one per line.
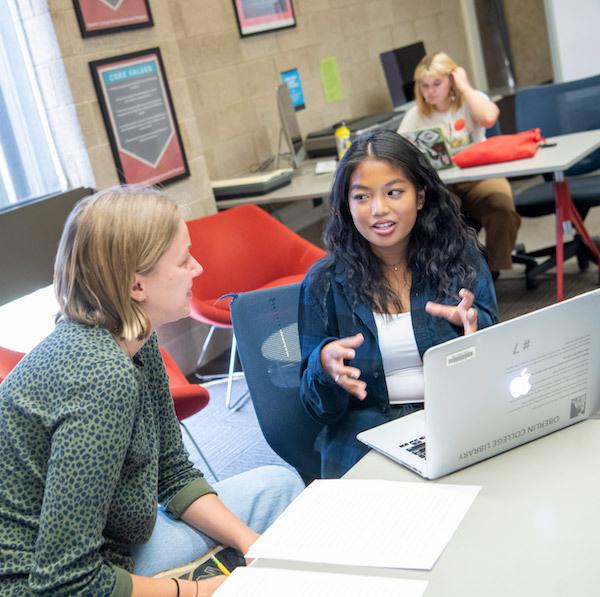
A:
[458,126]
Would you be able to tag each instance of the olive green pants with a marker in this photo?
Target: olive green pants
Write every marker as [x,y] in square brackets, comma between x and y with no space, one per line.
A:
[490,205]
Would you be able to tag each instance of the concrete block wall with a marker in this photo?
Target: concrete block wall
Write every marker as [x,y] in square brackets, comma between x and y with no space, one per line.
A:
[223,86]
[232,80]
[194,193]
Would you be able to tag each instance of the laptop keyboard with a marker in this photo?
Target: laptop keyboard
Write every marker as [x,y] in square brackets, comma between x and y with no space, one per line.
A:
[416,446]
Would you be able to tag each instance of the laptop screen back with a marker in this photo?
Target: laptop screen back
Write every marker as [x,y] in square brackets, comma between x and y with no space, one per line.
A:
[512,383]
[399,69]
[289,126]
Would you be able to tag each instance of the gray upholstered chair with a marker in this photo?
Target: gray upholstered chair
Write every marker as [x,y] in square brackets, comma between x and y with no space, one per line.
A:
[265,323]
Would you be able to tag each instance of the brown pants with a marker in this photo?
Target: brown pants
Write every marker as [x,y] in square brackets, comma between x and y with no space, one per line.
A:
[489,203]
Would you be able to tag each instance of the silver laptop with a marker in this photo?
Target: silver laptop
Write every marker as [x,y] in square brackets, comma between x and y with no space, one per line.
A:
[499,388]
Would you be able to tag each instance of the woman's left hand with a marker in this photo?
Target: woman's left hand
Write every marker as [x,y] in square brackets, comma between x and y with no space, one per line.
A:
[463,314]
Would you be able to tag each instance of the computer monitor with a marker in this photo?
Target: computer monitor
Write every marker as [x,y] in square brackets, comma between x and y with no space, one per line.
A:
[291,78]
[399,69]
[290,130]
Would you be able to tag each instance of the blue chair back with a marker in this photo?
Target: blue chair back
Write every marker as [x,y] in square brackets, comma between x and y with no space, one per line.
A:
[493,130]
[265,323]
[562,108]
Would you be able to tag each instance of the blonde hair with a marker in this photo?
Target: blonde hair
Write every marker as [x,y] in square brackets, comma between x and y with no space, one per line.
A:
[107,239]
[436,65]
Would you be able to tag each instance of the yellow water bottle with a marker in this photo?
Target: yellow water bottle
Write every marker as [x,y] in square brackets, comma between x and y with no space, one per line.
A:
[342,139]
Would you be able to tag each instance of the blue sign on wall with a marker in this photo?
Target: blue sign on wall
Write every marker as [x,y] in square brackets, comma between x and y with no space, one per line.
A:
[292,79]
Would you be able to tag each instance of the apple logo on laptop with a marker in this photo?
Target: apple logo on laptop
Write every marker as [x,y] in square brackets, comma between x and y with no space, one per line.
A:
[520,385]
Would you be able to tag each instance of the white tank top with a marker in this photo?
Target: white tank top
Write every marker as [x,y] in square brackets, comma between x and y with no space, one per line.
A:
[402,362]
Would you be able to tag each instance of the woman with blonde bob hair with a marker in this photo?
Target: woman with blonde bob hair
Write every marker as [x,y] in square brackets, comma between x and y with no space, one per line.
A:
[442,65]
[445,99]
[100,295]
[89,442]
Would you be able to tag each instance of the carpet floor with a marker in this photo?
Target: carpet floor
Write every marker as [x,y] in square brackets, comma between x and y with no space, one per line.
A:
[514,299]
[232,442]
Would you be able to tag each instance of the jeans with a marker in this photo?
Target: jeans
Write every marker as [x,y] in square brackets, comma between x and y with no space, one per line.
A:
[257,497]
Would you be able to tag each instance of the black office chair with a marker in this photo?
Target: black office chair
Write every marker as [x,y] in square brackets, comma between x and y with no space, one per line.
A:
[265,323]
[558,109]
[493,130]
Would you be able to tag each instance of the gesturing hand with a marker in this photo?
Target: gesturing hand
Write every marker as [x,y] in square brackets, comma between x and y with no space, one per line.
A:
[463,314]
[333,356]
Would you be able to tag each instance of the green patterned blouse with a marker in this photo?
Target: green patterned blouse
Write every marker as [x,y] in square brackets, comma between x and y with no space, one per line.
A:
[89,443]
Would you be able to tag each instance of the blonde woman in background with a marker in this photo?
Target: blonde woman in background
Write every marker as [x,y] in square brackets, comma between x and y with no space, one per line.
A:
[445,99]
[89,441]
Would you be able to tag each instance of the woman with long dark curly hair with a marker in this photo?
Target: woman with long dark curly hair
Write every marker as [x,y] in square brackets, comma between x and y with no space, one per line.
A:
[403,273]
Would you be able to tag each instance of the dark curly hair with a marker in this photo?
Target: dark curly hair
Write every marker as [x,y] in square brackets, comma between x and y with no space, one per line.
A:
[439,244]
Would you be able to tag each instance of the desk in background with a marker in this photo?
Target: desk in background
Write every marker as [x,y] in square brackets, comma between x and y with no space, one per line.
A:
[568,151]
[305,185]
[532,531]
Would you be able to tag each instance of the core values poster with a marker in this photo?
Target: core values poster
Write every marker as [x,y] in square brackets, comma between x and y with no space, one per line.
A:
[139,118]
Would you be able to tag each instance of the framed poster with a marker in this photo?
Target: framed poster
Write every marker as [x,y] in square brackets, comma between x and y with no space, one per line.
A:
[139,117]
[258,16]
[96,17]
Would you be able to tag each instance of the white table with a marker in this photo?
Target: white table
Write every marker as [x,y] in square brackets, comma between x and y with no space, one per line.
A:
[305,184]
[532,531]
[568,151]
[26,321]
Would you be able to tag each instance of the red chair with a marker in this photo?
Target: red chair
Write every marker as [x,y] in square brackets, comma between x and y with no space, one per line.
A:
[8,359]
[188,399]
[242,249]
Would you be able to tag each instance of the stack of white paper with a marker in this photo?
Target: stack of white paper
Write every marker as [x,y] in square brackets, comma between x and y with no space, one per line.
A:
[271,582]
[367,523]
